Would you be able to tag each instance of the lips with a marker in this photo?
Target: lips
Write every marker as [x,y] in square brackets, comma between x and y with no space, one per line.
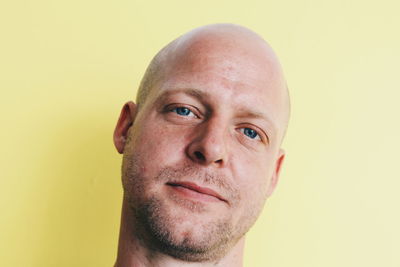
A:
[198,189]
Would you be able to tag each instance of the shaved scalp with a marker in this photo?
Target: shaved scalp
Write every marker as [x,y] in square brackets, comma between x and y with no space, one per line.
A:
[233,78]
[236,39]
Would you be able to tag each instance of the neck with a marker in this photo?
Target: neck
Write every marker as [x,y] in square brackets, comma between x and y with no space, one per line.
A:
[134,253]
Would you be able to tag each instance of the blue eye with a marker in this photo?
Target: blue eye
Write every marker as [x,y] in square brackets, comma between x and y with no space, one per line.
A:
[182,111]
[250,133]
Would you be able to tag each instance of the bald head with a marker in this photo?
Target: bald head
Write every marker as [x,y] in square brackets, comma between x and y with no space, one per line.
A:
[220,48]
[202,147]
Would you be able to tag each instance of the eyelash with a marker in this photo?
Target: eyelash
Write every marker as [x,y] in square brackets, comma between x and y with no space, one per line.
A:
[182,107]
[257,137]
[174,110]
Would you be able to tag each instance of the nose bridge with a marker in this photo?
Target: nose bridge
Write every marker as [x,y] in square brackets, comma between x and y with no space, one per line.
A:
[214,134]
[211,141]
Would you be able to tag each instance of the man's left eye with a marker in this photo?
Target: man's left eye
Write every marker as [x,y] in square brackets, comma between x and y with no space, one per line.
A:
[183,111]
[250,133]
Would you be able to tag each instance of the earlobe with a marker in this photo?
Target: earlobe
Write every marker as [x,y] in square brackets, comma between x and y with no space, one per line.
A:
[276,173]
[125,121]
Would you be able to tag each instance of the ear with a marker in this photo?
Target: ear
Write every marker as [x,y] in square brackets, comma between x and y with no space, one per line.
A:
[275,174]
[125,121]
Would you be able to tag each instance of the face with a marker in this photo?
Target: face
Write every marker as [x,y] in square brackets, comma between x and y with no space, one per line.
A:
[203,154]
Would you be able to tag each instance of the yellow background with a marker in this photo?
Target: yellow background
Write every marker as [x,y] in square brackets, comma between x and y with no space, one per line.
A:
[67,67]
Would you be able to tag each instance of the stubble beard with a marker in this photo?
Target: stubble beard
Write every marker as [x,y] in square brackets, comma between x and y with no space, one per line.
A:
[158,229]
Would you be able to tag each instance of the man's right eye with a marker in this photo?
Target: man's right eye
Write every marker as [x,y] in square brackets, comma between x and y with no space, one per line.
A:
[183,111]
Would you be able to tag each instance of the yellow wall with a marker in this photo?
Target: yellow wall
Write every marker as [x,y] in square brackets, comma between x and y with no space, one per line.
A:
[68,66]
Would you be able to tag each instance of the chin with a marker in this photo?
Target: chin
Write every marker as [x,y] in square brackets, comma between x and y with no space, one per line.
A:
[186,236]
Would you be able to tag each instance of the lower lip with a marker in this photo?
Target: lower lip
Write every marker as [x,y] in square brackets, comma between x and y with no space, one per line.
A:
[192,194]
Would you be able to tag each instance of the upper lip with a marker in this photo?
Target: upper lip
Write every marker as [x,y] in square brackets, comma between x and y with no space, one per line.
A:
[197,188]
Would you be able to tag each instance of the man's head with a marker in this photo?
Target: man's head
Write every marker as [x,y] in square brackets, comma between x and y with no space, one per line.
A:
[202,145]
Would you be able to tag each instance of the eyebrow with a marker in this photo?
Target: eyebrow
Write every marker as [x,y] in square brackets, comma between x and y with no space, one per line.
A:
[196,93]
[242,112]
[245,112]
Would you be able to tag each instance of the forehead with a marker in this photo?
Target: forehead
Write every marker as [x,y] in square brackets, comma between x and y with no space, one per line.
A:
[229,60]
[243,67]
[240,80]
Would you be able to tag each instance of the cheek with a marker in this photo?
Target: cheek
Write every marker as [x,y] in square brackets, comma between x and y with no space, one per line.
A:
[252,175]
[149,150]
[158,147]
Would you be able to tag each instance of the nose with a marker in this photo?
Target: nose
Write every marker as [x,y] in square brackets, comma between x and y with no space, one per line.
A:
[209,145]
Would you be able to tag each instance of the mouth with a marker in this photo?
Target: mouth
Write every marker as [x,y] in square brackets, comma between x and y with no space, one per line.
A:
[192,190]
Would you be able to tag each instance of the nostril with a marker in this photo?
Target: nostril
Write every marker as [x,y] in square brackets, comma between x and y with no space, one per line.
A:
[199,156]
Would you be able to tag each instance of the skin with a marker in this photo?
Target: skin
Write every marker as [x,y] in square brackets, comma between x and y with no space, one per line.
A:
[212,111]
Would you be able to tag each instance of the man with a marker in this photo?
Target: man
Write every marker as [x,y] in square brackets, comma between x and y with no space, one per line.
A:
[201,149]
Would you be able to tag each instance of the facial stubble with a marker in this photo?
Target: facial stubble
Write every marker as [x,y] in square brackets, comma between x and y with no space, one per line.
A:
[162,231]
